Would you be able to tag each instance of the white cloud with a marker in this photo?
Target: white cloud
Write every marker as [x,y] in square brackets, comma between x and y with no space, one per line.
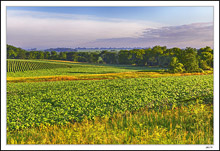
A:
[42,30]
[195,35]
[29,29]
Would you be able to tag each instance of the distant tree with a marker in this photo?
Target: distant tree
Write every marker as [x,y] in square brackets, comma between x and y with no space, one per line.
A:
[152,61]
[53,55]
[100,60]
[176,52]
[164,60]
[203,65]
[46,55]
[137,57]
[109,57]
[11,54]
[40,55]
[178,60]
[21,55]
[62,56]
[147,54]
[158,50]
[189,60]
[93,57]
[30,55]
[176,66]
[72,56]
[205,56]
[81,59]
[124,57]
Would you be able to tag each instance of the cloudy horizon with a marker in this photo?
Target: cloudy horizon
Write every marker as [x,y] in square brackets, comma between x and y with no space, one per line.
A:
[72,27]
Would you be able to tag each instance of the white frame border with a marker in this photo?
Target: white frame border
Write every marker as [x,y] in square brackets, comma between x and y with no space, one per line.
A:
[215,4]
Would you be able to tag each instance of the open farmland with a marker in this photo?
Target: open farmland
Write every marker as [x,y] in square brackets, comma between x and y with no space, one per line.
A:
[58,68]
[179,125]
[122,93]
[61,102]
[14,65]
[68,70]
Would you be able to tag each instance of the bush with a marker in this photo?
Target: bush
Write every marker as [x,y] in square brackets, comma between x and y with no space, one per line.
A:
[175,66]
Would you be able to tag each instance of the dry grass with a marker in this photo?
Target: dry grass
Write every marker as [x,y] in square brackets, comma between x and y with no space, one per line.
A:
[99,76]
[179,125]
[63,61]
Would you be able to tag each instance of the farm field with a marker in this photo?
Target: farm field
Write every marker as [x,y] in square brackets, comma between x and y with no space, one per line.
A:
[109,105]
[81,71]
[71,69]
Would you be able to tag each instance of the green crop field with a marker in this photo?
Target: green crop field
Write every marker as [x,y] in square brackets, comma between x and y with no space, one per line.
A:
[168,109]
[55,68]
[14,65]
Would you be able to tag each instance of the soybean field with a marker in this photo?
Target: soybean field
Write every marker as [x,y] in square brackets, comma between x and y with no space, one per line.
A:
[140,106]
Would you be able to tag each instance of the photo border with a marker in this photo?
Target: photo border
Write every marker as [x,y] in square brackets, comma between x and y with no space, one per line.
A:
[215,4]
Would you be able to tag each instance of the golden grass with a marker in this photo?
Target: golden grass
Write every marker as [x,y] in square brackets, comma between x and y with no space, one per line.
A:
[99,76]
[179,125]
[86,63]
[62,61]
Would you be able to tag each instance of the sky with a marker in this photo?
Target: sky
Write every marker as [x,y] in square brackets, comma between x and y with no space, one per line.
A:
[51,27]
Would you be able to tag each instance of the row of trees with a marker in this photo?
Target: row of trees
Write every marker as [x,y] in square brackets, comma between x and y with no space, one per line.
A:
[176,59]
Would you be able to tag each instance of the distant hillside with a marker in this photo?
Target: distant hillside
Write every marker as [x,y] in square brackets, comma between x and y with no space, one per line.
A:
[61,49]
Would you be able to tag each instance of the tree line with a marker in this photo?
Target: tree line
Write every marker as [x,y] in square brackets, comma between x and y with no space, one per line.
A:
[175,59]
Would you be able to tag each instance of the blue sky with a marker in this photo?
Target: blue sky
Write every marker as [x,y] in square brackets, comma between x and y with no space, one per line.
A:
[45,27]
[166,15]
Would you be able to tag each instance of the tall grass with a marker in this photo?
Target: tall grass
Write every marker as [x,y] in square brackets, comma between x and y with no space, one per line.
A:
[180,125]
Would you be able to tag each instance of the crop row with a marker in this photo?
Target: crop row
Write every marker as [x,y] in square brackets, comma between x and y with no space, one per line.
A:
[21,65]
[60,102]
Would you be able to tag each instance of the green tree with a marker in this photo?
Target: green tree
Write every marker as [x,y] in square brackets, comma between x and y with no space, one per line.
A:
[11,54]
[176,66]
[62,56]
[40,55]
[205,56]
[189,60]
[53,55]
[21,55]
[124,57]
[93,57]
[46,55]
[109,57]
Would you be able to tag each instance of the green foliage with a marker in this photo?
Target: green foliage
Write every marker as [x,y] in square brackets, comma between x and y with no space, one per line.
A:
[191,124]
[203,65]
[179,68]
[189,60]
[109,57]
[205,56]
[193,60]
[53,55]
[93,57]
[124,57]
[62,56]
[65,101]
[175,66]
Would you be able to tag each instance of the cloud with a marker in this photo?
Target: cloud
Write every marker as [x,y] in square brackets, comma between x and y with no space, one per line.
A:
[44,30]
[195,35]
[29,29]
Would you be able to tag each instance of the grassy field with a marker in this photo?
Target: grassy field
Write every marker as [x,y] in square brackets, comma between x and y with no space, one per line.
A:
[83,71]
[74,68]
[110,105]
